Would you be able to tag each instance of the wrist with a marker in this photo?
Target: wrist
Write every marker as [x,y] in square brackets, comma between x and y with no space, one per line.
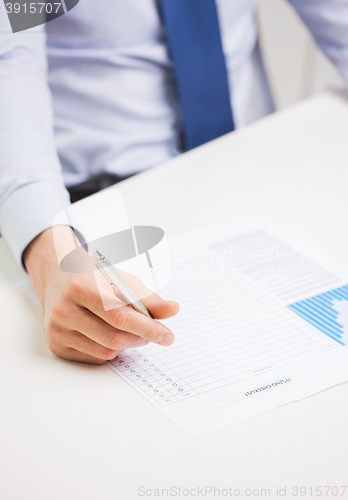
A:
[41,257]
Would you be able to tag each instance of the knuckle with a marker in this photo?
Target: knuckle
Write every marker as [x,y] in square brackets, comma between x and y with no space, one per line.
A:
[116,341]
[58,310]
[60,315]
[75,288]
[121,316]
[150,333]
[106,354]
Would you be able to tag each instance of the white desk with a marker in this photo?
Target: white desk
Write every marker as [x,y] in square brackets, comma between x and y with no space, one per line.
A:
[72,431]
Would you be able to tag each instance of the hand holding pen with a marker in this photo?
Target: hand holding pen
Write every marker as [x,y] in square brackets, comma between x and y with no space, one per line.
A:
[77,325]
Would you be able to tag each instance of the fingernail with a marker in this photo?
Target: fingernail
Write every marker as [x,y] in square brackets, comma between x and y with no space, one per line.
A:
[165,340]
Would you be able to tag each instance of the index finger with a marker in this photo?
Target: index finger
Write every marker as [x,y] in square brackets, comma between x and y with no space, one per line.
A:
[123,317]
[127,319]
[158,307]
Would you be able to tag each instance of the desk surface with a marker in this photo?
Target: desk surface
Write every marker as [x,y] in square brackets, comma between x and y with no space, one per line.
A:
[74,431]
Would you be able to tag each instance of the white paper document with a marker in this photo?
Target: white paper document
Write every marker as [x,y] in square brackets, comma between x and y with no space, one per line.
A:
[263,322]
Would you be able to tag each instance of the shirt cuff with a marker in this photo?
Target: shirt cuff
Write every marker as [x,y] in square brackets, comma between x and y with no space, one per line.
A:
[29,210]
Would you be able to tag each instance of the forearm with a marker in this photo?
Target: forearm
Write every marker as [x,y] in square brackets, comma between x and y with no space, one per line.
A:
[32,190]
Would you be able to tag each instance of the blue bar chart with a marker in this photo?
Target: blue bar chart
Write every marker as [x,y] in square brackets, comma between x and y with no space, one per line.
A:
[328,312]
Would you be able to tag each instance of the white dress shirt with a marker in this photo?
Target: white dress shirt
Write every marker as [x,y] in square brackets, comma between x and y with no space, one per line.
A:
[93,91]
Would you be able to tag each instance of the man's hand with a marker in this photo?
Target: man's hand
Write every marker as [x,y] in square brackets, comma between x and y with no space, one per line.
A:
[77,325]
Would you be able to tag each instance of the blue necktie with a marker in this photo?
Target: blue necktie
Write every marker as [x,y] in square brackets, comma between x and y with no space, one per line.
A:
[194,42]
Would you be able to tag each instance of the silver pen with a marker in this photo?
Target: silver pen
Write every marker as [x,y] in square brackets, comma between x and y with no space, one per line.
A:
[115,280]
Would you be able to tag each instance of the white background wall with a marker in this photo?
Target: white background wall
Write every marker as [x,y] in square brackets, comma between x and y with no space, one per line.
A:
[296,67]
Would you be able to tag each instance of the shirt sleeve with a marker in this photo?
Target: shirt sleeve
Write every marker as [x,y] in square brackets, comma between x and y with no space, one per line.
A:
[328,22]
[32,190]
